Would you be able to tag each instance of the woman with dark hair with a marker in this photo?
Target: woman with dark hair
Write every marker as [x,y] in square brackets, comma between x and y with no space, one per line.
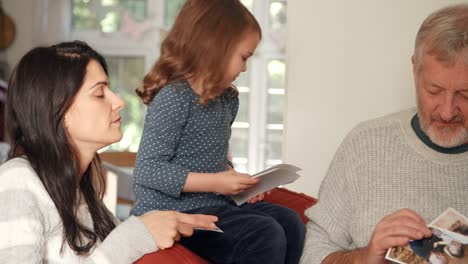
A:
[60,111]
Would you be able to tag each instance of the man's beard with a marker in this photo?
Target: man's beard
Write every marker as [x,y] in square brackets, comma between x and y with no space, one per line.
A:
[458,137]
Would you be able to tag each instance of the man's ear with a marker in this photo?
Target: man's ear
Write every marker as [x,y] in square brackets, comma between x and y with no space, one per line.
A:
[415,66]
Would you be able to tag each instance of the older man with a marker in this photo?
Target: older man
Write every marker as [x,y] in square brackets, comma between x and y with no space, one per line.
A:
[393,175]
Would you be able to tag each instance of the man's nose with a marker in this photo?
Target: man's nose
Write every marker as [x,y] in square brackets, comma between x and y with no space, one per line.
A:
[448,109]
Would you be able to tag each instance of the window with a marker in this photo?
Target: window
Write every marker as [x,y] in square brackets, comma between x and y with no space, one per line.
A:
[239,144]
[125,73]
[257,133]
[276,69]
[126,32]
[105,15]
[172,7]
[248,4]
[277,15]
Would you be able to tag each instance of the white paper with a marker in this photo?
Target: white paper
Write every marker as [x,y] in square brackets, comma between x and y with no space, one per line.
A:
[269,179]
[216,229]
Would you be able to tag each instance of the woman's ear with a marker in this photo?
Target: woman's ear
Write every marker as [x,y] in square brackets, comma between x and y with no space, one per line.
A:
[66,120]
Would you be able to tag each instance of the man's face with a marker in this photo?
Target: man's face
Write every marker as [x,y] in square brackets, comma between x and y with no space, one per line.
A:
[442,97]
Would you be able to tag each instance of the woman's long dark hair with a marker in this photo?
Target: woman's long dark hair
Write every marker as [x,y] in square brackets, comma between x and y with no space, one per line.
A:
[42,88]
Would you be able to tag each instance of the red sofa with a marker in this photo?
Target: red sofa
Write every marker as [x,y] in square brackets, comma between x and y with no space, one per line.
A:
[180,255]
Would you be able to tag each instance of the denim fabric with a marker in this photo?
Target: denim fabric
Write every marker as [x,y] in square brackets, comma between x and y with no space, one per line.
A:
[253,233]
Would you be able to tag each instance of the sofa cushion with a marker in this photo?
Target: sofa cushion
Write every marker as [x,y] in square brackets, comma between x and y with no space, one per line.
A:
[174,255]
[293,200]
[181,255]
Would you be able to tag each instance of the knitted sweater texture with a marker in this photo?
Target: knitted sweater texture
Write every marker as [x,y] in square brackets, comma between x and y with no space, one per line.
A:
[381,167]
[32,231]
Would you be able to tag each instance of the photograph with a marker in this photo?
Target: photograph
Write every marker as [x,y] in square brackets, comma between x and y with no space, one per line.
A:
[447,245]
[452,223]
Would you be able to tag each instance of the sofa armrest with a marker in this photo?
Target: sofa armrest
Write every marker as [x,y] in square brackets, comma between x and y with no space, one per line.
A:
[174,255]
[298,202]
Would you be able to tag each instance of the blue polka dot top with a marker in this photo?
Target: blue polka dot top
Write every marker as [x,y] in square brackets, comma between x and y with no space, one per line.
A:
[181,136]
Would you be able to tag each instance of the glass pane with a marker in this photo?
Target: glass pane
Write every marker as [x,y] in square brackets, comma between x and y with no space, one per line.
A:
[239,148]
[242,84]
[276,74]
[105,15]
[243,112]
[248,4]
[275,93]
[277,12]
[273,149]
[125,74]
[172,9]
[239,143]
[275,108]
[244,78]
[276,69]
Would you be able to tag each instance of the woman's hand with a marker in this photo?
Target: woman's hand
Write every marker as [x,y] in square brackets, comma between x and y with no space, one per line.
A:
[166,227]
[231,182]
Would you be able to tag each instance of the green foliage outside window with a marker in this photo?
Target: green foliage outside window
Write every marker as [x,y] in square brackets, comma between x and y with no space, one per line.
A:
[125,74]
[172,9]
[105,15]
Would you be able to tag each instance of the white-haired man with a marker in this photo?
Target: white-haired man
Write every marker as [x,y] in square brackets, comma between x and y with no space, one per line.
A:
[394,174]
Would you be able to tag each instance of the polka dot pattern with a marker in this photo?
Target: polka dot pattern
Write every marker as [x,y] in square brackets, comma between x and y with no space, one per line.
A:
[181,136]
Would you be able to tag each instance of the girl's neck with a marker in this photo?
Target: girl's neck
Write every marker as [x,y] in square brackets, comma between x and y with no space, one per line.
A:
[196,85]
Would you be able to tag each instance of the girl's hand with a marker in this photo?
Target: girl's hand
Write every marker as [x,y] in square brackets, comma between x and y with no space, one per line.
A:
[258,198]
[166,227]
[231,182]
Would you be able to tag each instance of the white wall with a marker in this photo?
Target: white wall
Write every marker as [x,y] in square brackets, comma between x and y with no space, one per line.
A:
[348,61]
[21,12]
[33,28]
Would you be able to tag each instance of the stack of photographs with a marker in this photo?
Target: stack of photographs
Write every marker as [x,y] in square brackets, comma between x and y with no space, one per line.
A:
[447,245]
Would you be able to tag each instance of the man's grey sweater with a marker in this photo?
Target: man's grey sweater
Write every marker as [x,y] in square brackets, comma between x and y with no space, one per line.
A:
[381,167]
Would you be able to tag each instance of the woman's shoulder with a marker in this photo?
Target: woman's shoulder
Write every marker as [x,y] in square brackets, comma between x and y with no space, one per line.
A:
[18,173]
[14,165]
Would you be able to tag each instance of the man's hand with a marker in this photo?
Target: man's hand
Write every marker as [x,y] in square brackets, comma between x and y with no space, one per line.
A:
[396,229]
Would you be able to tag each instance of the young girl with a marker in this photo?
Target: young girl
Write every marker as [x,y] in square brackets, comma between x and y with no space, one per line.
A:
[181,164]
[60,111]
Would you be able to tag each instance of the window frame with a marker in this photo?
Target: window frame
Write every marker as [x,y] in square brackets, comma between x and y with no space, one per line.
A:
[49,28]
[258,89]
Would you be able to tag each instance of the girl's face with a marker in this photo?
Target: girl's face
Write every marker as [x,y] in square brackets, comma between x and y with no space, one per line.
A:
[93,119]
[242,52]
